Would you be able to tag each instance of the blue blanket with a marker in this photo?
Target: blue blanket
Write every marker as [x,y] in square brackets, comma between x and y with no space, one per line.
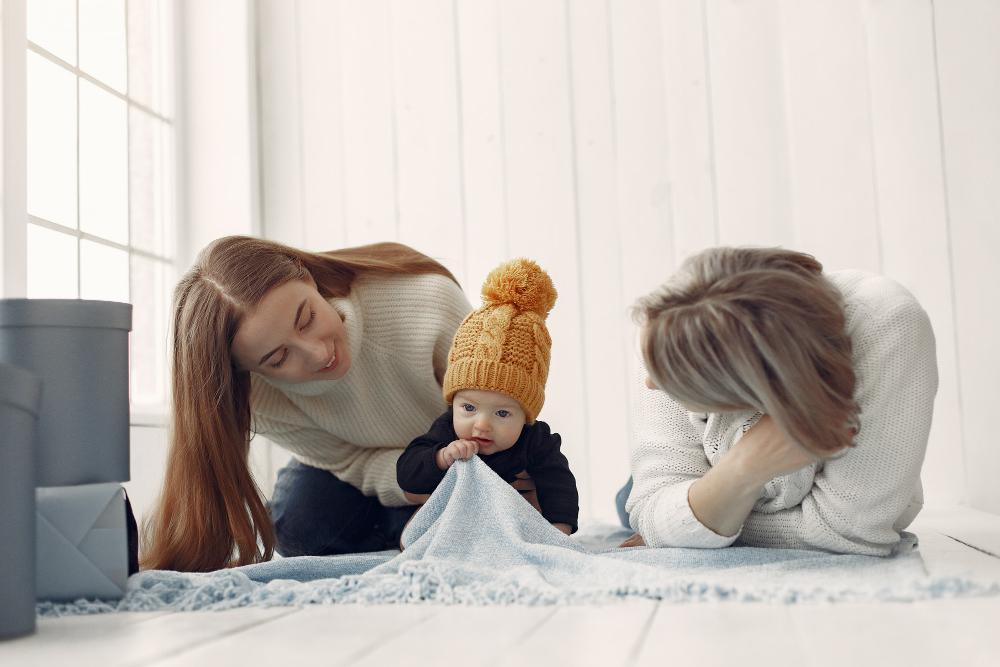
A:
[476,541]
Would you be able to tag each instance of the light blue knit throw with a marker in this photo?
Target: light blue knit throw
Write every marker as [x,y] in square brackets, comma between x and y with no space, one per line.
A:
[477,541]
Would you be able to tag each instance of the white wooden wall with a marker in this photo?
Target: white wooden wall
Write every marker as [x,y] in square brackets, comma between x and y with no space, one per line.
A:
[609,139]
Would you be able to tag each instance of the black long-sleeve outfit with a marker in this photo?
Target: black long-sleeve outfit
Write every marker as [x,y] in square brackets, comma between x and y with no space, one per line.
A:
[536,451]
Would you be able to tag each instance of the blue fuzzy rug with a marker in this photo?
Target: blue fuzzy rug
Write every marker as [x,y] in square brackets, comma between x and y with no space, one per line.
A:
[476,541]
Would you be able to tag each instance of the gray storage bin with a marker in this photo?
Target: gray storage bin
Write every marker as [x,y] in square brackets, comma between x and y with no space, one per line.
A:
[82,542]
[20,394]
[80,350]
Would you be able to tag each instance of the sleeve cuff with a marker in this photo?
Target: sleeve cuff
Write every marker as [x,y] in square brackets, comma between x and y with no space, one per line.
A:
[675,525]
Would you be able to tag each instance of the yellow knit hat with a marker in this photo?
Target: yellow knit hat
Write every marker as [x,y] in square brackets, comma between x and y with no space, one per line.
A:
[504,345]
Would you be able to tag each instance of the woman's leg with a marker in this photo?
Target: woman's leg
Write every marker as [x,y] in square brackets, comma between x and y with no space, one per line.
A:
[316,514]
[620,501]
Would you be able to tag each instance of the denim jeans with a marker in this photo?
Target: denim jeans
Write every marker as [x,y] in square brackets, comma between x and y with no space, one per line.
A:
[620,501]
[316,514]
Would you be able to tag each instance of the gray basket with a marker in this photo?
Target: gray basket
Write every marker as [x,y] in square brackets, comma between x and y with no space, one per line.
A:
[80,350]
[20,394]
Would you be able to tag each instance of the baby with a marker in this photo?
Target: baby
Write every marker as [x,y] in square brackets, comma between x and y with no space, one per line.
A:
[495,384]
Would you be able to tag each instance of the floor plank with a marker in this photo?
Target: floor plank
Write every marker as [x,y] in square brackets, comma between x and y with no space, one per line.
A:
[68,631]
[873,634]
[586,635]
[978,529]
[945,556]
[315,635]
[137,641]
[969,626]
[710,634]
[461,635]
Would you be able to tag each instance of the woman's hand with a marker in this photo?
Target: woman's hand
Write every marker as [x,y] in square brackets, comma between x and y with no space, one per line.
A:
[765,453]
[524,482]
[564,527]
[634,541]
[456,449]
[526,487]
[417,498]
[723,499]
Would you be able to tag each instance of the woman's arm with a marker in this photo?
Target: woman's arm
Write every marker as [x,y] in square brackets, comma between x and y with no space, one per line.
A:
[723,499]
[859,501]
[667,456]
[371,470]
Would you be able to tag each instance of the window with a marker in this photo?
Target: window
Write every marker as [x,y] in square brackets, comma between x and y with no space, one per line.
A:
[100,165]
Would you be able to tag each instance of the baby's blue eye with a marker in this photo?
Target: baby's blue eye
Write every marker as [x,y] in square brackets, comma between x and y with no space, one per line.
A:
[469,408]
[502,413]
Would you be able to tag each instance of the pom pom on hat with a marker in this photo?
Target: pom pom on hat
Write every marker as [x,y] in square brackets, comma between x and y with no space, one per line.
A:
[523,283]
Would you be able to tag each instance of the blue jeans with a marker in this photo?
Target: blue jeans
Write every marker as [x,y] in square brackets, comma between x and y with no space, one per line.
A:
[316,514]
[620,501]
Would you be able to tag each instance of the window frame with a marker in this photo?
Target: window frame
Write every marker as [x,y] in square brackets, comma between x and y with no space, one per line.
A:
[14,217]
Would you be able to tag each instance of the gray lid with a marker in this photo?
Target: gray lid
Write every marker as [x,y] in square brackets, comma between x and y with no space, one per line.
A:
[20,388]
[65,313]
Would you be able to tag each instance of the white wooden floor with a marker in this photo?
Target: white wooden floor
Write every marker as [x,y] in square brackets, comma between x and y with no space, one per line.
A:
[946,632]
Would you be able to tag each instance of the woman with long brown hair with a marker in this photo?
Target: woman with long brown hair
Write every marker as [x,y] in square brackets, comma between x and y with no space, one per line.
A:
[338,357]
[781,406]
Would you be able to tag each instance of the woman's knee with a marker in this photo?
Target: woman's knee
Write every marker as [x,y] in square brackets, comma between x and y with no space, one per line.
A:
[314,513]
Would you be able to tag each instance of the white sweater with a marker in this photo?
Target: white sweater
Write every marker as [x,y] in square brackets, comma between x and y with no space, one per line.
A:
[399,330]
[856,503]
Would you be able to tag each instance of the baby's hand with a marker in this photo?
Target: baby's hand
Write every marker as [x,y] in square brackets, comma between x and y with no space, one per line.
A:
[457,449]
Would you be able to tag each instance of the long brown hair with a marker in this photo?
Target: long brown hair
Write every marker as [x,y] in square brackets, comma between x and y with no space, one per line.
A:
[760,329]
[210,513]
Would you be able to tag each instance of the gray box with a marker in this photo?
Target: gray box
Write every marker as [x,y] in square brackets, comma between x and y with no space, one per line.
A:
[82,542]
[20,394]
[80,350]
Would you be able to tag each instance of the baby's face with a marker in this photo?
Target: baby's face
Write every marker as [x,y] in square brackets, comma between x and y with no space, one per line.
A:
[489,418]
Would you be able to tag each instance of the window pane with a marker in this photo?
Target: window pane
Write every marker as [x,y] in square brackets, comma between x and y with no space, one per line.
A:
[103,272]
[52,26]
[149,182]
[103,164]
[51,264]
[148,80]
[148,341]
[51,141]
[102,41]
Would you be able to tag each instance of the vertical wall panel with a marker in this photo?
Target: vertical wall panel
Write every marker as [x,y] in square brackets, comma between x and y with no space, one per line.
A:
[541,201]
[749,120]
[643,183]
[321,143]
[369,131]
[216,124]
[427,132]
[968,54]
[689,127]
[280,122]
[911,198]
[482,136]
[829,133]
[603,324]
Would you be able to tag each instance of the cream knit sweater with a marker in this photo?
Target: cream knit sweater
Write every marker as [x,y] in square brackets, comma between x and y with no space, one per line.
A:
[399,331]
[856,503]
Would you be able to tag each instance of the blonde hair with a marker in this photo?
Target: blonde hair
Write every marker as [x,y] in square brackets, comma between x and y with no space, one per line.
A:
[210,513]
[755,329]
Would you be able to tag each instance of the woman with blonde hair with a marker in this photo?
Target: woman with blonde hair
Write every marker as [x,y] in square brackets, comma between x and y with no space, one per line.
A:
[781,407]
[337,357]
